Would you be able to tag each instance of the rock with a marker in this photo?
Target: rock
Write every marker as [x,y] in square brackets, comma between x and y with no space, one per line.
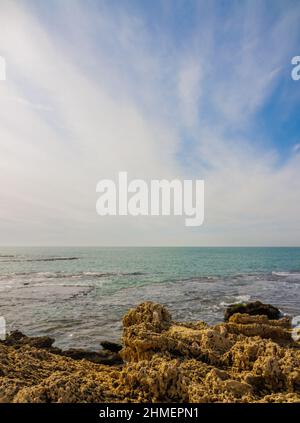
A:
[111,346]
[248,359]
[281,398]
[14,338]
[153,316]
[17,339]
[284,322]
[253,309]
[101,357]
[278,330]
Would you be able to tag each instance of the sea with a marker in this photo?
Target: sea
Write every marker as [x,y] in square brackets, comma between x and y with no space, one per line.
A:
[78,295]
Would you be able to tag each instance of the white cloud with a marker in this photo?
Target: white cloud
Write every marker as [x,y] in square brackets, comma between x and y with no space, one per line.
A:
[296,148]
[189,89]
[79,108]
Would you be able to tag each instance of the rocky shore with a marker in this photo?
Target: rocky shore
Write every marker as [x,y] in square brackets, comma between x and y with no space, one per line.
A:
[251,357]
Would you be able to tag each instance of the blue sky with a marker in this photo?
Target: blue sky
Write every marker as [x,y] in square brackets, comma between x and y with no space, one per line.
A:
[190,89]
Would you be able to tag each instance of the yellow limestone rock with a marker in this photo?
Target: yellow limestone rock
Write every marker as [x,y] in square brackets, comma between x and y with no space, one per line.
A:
[247,359]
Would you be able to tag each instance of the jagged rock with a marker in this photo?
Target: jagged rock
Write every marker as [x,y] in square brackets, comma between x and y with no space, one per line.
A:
[177,341]
[254,309]
[278,330]
[281,398]
[165,361]
[284,322]
[154,316]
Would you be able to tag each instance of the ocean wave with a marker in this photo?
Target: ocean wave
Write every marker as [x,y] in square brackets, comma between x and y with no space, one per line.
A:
[104,274]
[249,276]
[286,274]
[281,273]
[200,279]
[44,259]
[66,275]
[235,300]
[287,277]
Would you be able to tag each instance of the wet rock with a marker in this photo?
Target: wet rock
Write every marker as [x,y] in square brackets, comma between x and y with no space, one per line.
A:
[101,357]
[253,309]
[14,338]
[17,339]
[111,346]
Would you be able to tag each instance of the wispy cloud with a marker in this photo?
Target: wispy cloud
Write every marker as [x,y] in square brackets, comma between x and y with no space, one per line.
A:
[98,90]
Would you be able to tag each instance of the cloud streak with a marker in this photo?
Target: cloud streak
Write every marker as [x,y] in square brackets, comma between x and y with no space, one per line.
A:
[97,90]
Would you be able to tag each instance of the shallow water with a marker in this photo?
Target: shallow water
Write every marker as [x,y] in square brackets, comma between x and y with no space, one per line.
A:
[78,295]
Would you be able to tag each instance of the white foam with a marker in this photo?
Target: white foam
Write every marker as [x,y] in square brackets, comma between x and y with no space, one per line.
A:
[238,299]
[296,328]
[290,275]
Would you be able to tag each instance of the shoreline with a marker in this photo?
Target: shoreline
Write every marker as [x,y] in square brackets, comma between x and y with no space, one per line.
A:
[248,358]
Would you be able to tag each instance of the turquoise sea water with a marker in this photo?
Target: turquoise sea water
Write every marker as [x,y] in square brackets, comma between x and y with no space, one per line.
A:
[78,295]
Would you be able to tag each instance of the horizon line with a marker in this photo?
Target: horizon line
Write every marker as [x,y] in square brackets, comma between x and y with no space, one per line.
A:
[149,246]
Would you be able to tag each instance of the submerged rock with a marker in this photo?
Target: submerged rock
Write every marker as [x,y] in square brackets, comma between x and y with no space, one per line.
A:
[248,359]
[255,308]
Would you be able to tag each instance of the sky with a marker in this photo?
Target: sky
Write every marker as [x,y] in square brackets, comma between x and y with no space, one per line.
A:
[161,89]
